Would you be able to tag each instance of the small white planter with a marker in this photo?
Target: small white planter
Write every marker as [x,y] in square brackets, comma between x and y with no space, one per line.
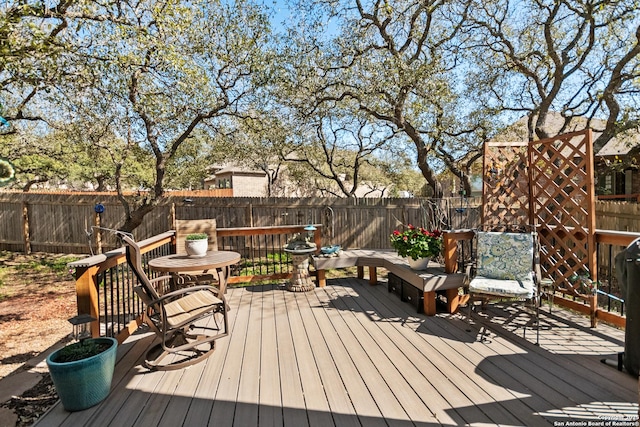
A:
[418,264]
[196,248]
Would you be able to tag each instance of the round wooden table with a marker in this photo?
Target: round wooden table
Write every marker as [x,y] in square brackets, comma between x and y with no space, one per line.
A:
[219,262]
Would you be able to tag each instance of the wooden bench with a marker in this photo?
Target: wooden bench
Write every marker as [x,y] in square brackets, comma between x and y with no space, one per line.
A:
[420,287]
[417,287]
[359,258]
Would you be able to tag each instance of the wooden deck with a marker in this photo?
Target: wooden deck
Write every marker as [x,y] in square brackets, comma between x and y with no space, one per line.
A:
[351,354]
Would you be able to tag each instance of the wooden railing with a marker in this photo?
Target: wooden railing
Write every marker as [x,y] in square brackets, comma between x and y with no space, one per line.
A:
[607,305]
[635,197]
[104,283]
[610,298]
[261,251]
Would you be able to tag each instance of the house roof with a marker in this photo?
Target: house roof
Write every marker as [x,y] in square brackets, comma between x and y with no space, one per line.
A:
[232,169]
[518,131]
[236,170]
[621,145]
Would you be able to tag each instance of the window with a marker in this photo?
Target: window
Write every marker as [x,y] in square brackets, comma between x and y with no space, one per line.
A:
[223,183]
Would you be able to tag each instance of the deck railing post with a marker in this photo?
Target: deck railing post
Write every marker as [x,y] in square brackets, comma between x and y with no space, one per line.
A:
[317,238]
[87,295]
[450,241]
[450,251]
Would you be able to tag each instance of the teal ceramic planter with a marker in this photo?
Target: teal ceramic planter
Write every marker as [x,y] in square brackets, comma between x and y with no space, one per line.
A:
[84,383]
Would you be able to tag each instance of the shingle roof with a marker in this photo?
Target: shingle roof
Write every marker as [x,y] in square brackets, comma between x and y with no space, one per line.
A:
[618,146]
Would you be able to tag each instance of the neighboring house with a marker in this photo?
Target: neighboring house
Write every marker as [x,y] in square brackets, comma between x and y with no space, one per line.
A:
[616,164]
[244,182]
[617,167]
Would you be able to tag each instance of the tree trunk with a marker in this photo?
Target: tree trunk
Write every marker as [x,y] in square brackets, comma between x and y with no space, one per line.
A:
[136,217]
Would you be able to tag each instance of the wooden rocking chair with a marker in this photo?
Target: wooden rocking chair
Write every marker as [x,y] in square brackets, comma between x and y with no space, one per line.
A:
[173,316]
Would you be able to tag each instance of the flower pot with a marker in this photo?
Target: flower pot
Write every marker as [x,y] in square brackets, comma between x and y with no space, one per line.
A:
[84,383]
[196,248]
[418,264]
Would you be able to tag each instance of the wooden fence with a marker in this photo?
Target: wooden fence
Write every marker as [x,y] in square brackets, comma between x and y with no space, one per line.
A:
[62,223]
[618,216]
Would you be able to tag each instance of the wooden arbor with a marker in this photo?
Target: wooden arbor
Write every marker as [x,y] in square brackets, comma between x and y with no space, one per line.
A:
[548,183]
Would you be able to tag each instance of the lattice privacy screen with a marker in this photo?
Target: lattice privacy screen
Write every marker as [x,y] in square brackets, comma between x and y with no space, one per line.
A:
[547,183]
[505,193]
[563,204]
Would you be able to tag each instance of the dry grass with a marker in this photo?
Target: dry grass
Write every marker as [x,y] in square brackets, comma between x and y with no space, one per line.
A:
[37,296]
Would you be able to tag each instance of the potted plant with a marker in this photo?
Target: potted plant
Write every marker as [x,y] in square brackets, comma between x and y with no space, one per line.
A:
[196,244]
[417,244]
[583,282]
[82,371]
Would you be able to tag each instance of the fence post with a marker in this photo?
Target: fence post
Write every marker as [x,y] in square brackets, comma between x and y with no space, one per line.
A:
[172,216]
[25,227]
[98,223]
[87,295]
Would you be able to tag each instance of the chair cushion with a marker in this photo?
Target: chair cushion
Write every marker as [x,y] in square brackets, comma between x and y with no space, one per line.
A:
[524,289]
[190,306]
[505,256]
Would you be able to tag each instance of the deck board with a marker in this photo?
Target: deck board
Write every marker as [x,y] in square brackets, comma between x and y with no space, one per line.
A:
[448,352]
[249,385]
[553,380]
[340,404]
[389,384]
[226,393]
[351,354]
[270,398]
[178,406]
[290,382]
[342,346]
[374,365]
[201,406]
[315,399]
[423,351]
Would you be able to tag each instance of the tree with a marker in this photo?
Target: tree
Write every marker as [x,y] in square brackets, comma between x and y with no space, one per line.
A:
[258,142]
[343,154]
[33,52]
[98,153]
[394,62]
[576,58]
[36,159]
[189,167]
[158,70]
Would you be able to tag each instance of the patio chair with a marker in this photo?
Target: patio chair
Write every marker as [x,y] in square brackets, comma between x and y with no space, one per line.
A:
[506,267]
[189,226]
[173,316]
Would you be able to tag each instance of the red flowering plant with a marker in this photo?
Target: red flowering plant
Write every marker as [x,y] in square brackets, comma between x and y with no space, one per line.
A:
[417,242]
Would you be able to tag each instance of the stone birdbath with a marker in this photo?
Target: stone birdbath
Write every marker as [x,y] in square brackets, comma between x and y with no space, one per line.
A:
[300,247]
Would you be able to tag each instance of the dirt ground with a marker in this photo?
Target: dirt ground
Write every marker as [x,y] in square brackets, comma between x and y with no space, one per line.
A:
[37,296]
